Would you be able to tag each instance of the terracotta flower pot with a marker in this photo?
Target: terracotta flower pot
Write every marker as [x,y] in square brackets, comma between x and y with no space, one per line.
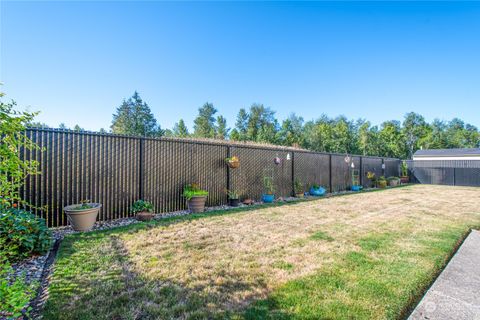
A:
[82,219]
[197,204]
[144,216]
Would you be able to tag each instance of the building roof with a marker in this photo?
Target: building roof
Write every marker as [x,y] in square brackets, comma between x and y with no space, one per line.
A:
[462,152]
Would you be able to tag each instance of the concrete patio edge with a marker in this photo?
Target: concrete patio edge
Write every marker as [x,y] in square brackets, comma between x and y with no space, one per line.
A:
[455,294]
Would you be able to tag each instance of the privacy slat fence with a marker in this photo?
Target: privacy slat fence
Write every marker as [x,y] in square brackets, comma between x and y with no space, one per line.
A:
[117,170]
[446,172]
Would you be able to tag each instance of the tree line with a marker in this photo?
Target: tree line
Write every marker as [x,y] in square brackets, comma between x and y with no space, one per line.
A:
[393,138]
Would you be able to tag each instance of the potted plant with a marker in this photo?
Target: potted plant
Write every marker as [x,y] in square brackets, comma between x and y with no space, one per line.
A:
[382,182]
[82,216]
[196,197]
[269,195]
[404,178]
[233,198]
[393,181]
[317,190]
[357,188]
[298,188]
[372,178]
[143,210]
[233,162]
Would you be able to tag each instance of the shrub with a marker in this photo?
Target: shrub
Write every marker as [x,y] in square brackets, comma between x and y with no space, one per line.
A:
[268,185]
[141,206]
[404,168]
[298,186]
[232,194]
[13,169]
[15,293]
[22,234]
[193,190]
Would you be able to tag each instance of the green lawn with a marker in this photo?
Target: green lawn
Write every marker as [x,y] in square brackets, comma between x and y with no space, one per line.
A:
[362,256]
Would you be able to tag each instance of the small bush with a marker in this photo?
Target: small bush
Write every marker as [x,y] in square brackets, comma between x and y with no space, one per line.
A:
[141,206]
[22,234]
[14,293]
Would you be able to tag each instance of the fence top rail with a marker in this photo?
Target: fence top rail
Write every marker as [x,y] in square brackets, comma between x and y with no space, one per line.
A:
[211,142]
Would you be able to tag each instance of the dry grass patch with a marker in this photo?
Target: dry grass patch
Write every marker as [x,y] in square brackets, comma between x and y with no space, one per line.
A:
[365,255]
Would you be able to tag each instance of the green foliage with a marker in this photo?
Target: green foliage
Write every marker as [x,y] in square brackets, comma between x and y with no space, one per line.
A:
[15,293]
[404,168]
[22,234]
[298,186]
[221,131]
[204,123]
[134,117]
[232,194]
[268,185]
[14,170]
[141,206]
[180,130]
[84,205]
[193,190]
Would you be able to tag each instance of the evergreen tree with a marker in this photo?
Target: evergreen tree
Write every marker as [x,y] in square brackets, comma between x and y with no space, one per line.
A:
[134,117]
[180,130]
[241,126]
[221,129]
[204,123]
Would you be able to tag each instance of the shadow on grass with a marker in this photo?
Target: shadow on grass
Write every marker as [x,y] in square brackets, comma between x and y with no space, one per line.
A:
[108,287]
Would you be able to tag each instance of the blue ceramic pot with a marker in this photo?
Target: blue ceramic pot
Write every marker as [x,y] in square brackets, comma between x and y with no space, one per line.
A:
[317,191]
[268,198]
[357,188]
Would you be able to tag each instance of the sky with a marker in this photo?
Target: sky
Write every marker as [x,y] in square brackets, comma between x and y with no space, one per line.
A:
[76,61]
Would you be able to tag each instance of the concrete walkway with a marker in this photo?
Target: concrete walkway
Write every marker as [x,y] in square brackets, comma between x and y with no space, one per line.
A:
[456,292]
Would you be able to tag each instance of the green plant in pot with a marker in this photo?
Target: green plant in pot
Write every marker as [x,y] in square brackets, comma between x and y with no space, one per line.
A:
[143,210]
[393,181]
[196,197]
[404,178]
[372,178]
[269,195]
[298,188]
[382,182]
[82,216]
[233,198]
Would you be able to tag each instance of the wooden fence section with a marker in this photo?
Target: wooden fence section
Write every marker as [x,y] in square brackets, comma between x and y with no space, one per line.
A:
[117,170]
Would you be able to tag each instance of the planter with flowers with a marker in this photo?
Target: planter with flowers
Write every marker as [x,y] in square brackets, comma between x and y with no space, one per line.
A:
[382,182]
[393,181]
[233,162]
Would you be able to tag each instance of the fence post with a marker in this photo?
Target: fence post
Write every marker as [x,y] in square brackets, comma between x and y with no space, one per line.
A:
[141,170]
[293,173]
[229,154]
[454,176]
[330,173]
[361,171]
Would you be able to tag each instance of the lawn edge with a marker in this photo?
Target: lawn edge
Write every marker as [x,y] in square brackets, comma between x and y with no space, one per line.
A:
[415,300]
